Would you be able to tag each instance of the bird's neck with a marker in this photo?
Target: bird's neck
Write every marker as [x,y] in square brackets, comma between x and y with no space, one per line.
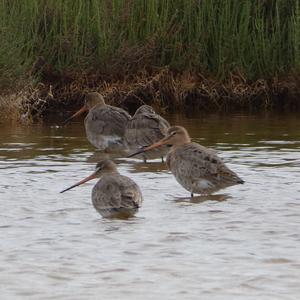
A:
[184,141]
[109,172]
[187,140]
[113,172]
[100,104]
[174,147]
[96,105]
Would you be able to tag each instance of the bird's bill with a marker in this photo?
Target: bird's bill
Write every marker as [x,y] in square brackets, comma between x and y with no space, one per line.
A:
[162,142]
[78,113]
[93,176]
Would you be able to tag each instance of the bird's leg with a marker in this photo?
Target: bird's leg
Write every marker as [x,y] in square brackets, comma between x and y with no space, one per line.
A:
[162,159]
[144,159]
[192,195]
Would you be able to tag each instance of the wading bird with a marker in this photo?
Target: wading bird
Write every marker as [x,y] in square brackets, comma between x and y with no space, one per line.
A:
[198,169]
[104,124]
[114,195]
[145,128]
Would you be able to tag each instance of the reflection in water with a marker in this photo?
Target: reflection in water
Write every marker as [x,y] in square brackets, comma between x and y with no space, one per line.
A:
[203,198]
[239,244]
[98,155]
[138,166]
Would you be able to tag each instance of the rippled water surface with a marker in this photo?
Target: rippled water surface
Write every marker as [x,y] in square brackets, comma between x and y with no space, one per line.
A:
[241,243]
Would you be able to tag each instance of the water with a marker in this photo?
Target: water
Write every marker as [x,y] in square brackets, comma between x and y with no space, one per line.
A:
[242,243]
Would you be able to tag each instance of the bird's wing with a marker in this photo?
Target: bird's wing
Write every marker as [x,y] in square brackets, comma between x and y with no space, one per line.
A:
[116,191]
[108,120]
[195,161]
[145,130]
[130,192]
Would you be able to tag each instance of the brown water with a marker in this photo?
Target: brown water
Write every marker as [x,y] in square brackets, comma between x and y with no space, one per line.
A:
[242,243]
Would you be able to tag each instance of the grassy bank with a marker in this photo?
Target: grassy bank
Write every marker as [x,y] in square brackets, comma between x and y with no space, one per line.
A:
[76,45]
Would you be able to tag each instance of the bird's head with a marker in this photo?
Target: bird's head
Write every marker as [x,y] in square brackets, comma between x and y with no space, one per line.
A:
[103,167]
[90,101]
[176,136]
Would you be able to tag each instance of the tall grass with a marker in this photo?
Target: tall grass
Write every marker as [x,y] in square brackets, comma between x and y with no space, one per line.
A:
[257,38]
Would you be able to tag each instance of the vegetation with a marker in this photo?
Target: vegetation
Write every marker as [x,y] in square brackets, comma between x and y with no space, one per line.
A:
[51,39]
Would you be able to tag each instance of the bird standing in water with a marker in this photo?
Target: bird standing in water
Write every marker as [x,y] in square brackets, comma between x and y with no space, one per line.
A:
[104,124]
[145,128]
[198,169]
[114,195]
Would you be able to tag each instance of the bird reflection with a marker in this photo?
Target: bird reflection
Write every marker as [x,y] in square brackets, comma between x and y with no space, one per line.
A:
[203,198]
[100,155]
[154,167]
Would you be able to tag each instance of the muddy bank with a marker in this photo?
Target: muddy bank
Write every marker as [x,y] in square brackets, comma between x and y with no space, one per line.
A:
[221,55]
[165,90]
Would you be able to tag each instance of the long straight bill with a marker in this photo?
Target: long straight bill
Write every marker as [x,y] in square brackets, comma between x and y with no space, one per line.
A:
[93,176]
[79,112]
[155,145]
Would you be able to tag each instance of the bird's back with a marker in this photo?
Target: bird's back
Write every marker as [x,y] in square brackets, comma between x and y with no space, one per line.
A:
[116,193]
[105,125]
[145,129]
[199,169]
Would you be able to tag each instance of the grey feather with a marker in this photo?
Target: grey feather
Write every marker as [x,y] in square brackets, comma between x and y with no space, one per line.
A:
[105,125]
[199,169]
[145,128]
[115,191]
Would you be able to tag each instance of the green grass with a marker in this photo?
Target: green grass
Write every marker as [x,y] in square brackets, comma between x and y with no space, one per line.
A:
[257,38]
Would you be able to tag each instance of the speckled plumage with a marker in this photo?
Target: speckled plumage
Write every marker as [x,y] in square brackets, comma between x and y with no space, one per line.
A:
[145,128]
[199,170]
[116,194]
[105,126]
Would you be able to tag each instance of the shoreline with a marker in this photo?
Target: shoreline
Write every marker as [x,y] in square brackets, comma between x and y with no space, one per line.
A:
[164,90]
[174,55]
